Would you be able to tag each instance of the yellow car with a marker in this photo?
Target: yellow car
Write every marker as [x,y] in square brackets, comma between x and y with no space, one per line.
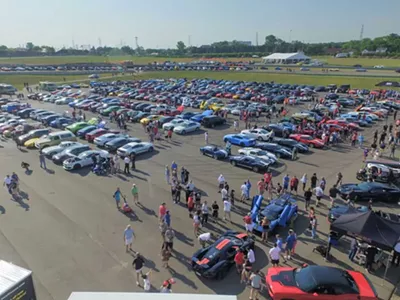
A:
[31,143]
[93,121]
[149,119]
[204,105]
[216,106]
[236,97]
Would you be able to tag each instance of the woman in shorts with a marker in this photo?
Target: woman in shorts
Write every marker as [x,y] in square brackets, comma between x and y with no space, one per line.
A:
[265,227]
[196,223]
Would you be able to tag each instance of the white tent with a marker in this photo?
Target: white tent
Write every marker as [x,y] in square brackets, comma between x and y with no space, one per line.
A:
[286,58]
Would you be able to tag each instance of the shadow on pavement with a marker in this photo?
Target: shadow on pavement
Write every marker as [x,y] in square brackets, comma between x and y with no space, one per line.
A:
[50,171]
[2,210]
[82,172]
[183,238]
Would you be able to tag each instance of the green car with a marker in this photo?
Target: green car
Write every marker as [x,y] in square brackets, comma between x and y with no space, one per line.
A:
[77,126]
[110,109]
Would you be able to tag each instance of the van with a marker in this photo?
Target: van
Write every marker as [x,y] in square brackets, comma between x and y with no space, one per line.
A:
[55,138]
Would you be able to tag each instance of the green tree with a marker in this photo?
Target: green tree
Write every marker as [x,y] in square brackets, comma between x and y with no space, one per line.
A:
[29,46]
[181,47]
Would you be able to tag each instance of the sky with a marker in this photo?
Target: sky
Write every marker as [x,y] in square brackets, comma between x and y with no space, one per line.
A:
[162,23]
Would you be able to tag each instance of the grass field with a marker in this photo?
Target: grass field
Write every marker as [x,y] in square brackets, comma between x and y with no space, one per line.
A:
[355,82]
[364,61]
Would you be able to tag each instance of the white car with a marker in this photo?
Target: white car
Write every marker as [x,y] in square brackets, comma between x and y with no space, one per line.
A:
[259,134]
[172,124]
[84,159]
[379,67]
[262,154]
[135,148]
[64,100]
[105,138]
[50,151]
[186,127]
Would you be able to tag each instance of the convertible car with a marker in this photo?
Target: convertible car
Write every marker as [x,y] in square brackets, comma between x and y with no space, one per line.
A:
[214,151]
[280,212]
[215,260]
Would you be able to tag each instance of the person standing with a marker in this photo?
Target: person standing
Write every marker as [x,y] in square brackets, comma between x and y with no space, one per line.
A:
[303,181]
[138,263]
[167,218]
[127,161]
[396,254]
[239,260]
[392,150]
[117,165]
[333,191]
[165,256]
[204,213]
[7,183]
[204,238]
[255,282]
[248,223]
[215,211]
[167,174]
[221,182]
[196,223]
[353,249]
[133,161]
[169,239]
[319,193]
[117,197]
[251,257]
[42,160]
[243,189]
[248,184]
[206,137]
[294,182]
[285,183]
[261,186]
[135,194]
[128,238]
[290,242]
[162,211]
[227,210]
[274,255]
[339,179]
[313,223]
[314,180]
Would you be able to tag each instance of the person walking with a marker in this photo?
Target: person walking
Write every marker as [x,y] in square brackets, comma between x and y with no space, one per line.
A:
[243,190]
[165,256]
[162,211]
[274,255]
[256,283]
[196,223]
[206,137]
[215,211]
[313,227]
[221,182]
[42,160]
[333,191]
[294,182]
[167,218]
[353,249]
[127,161]
[163,228]
[319,193]
[314,180]
[138,263]
[204,213]
[303,181]
[169,239]
[392,150]
[167,174]
[117,165]
[117,197]
[227,210]
[135,194]
[128,237]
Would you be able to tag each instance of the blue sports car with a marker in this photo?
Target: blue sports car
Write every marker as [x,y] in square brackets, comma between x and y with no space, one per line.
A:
[199,117]
[278,150]
[61,123]
[215,260]
[214,151]
[279,212]
[82,132]
[250,162]
[240,140]
[187,115]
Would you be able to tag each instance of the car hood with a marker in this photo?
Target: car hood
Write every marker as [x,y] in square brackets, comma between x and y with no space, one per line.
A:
[346,188]
[282,281]
[31,141]
[43,140]
[50,149]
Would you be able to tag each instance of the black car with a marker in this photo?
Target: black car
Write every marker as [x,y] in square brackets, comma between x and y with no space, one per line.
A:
[149,108]
[250,162]
[278,150]
[289,143]
[212,121]
[114,144]
[279,131]
[366,191]
[142,106]
[139,116]
[25,112]
[215,260]
[163,120]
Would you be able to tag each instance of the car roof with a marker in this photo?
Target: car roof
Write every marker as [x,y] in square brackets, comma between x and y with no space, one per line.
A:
[324,275]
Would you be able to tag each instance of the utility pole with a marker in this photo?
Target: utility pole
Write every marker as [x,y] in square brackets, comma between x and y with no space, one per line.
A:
[137,42]
[257,39]
[100,42]
[362,32]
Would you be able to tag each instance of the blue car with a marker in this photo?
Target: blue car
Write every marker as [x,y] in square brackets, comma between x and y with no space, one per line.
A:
[338,210]
[241,140]
[214,151]
[82,132]
[187,115]
[61,123]
[354,118]
[199,117]
[250,162]
[280,212]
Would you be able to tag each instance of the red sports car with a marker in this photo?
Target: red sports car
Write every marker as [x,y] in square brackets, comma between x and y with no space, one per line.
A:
[308,140]
[318,282]
[95,133]
[344,123]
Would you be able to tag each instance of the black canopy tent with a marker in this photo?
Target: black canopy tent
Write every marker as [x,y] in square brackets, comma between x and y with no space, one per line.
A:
[369,227]
[388,84]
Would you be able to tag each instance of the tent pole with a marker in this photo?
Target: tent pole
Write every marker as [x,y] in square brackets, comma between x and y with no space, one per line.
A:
[386,269]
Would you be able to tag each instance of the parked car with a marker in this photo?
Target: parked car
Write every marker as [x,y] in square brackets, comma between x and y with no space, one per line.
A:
[113,145]
[262,154]
[259,134]
[239,140]
[214,151]
[250,162]
[278,150]
[186,127]
[308,140]
[366,191]
[83,160]
[69,152]
[212,121]
[135,148]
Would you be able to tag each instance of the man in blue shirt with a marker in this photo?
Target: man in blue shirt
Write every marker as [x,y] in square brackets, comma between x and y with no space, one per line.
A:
[286,181]
[290,243]
[279,243]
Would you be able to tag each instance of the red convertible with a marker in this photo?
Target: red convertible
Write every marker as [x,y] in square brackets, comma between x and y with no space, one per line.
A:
[308,140]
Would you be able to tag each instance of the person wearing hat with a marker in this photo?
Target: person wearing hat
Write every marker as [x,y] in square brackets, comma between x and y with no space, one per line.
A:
[135,194]
[128,237]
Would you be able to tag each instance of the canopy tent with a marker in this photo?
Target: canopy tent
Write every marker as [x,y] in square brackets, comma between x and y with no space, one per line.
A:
[286,58]
[388,84]
[370,228]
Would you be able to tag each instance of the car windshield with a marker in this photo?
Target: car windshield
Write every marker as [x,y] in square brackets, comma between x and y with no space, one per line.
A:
[270,214]
[262,131]
[304,279]
[363,186]
[262,153]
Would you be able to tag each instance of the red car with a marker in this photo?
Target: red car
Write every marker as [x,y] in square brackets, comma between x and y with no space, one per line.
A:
[86,106]
[308,140]
[318,282]
[94,134]
[344,123]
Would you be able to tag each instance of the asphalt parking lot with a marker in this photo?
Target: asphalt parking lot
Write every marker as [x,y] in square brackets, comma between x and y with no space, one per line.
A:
[71,235]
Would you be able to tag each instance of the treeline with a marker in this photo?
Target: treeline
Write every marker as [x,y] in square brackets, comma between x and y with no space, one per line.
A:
[389,43]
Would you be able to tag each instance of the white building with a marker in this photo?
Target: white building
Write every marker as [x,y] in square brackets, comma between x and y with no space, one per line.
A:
[286,58]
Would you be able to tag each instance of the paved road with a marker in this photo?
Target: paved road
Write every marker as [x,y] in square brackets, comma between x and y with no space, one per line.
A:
[70,233]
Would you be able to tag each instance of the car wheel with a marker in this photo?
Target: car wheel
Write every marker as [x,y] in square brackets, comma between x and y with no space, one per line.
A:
[260,138]
[312,146]
[255,169]
[76,167]
[225,140]
[233,163]
[151,149]
[214,156]
[278,155]
[183,132]
[242,144]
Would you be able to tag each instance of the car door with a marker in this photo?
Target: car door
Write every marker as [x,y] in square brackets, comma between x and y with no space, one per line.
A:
[378,194]
[246,163]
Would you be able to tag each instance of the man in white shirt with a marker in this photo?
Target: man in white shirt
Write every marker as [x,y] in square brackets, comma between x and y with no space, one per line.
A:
[251,256]
[204,238]
[127,161]
[319,193]
[221,182]
[274,255]
[243,189]
[224,193]
[7,181]
[227,209]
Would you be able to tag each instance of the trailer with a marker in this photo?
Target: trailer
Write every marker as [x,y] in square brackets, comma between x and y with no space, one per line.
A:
[15,282]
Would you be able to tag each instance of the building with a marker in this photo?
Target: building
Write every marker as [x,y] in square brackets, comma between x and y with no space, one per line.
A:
[286,58]
[145,296]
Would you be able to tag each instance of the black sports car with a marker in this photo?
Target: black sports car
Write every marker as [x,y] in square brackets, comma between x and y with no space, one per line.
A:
[278,150]
[340,209]
[250,162]
[370,190]
[114,144]
[214,151]
[302,148]
[215,260]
